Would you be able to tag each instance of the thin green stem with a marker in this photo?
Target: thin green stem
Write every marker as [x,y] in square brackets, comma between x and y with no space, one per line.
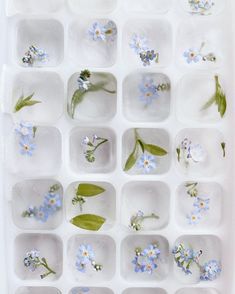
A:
[98,145]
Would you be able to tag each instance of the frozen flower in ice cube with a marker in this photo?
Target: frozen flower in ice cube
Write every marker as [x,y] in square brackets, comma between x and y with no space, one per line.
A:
[139,44]
[148,91]
[194,217]
[27,146]
[110,30]
[192,55]
[149,266]
[42,214]
[201,6]
[53,201]
[24,129]
[85,253]
[211,271]
[31,260]
[152,252]
[202,204]
[97,32]
[147,163]
[147,56]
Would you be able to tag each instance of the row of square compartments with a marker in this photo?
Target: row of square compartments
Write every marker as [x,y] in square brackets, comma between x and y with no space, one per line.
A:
[156,34]
[104,6]
[140,103]
[150,197]
[205,154]
[100,290]
[104,248]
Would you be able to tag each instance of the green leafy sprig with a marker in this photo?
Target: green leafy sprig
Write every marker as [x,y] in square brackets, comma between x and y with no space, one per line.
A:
[192,189]
[219,99]
[25,102]
[85,86]
[141,146]
[89,222]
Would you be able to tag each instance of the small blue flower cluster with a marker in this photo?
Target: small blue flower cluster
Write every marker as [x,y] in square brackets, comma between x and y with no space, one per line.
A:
[185,257]
[26,132]
[139,44]
[86,256]
[201,205]
[34,54]
[32,260]
[201,6]
[148,90]
[51,204]
[146,260]
[100,32]
[211,271]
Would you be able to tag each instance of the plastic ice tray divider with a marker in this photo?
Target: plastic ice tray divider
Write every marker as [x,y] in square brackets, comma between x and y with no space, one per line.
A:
[38,19]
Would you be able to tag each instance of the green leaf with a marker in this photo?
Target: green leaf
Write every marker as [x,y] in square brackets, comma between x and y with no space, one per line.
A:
[155,150]
[77,98]
[131,159]
[23,102]
[141,145]
[222,105]
[219,99]
[209,103]
[89,222]
[89,190]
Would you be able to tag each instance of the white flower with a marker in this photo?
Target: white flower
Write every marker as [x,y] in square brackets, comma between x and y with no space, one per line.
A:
[85,141]
[197,153]
[83,84]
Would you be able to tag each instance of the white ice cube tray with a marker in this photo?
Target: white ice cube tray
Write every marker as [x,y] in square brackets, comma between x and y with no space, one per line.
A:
[60,27]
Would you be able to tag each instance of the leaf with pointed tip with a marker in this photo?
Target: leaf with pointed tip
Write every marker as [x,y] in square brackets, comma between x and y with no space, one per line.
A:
[131,160]
[88,222]
[155,150]
[77,98]
[89,190]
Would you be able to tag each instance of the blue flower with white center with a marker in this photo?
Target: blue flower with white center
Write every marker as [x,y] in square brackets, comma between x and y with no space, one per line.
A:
[53,201]
[24,129]
[211,271]
[147,56]
[147,163]
[42,214]
[97,32]
[151,252]
[27,146]
[187,254]
[149,266]
[148,91]
[85,253]
[202,204]
[139,44]
[194,217]
[192,55]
